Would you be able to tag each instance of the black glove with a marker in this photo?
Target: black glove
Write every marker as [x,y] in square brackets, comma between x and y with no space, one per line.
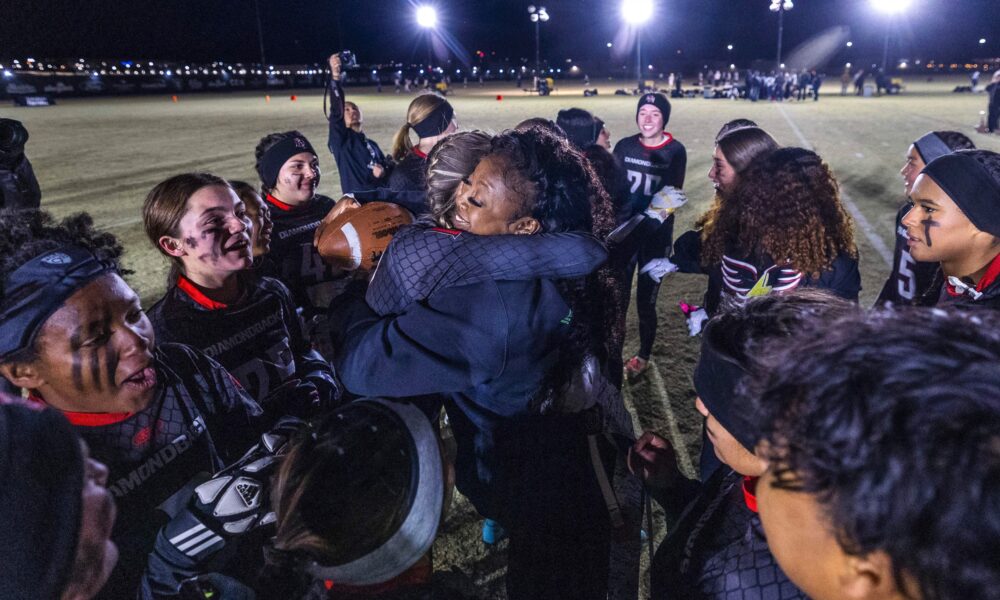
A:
[295,398]
[233,503]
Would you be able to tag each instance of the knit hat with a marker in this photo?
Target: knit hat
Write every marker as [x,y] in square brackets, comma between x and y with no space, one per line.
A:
[657,99]
[41,484]
[970,186]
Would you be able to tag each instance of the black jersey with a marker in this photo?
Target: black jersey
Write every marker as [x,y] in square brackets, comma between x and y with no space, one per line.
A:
[199,421]
[909,279]
[354,152]
[410,173]
[293,259]
[717,550]
[258,339]
[650,168]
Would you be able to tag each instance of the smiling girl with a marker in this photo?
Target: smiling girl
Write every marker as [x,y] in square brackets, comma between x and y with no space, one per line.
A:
[73,334]
[218,305]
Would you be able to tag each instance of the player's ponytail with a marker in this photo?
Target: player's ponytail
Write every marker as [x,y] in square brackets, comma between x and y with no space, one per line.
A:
[401,144]
[421,108]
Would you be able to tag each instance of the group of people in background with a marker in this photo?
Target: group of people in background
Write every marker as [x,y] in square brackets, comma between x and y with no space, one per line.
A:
[177,452]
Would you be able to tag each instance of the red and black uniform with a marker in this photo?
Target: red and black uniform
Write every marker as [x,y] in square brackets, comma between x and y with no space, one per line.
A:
[717,550]
[410,174]
[649,169]
[293,259]
[909,279]
[985,294]
[745,274]
[354,152]
[199,421]
[258,339]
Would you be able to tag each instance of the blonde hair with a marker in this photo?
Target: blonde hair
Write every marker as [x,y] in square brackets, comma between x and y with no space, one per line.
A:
[453,159]
[420,108]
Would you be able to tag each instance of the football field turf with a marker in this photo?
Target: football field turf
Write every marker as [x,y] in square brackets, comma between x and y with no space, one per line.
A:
[103,156]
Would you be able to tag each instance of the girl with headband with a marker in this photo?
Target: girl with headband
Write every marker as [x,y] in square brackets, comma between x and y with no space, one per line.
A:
[909,279]
[955,221]
[73,334]
[216,303]
[432,118]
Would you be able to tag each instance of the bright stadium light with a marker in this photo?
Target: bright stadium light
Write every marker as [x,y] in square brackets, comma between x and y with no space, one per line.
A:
[637,12]
[982,41]
[890,7]
[427,16]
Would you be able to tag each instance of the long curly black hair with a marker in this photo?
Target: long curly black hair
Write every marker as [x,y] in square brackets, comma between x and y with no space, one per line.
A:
[562,192]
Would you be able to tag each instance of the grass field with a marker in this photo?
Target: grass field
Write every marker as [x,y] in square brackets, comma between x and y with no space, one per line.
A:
[103,155]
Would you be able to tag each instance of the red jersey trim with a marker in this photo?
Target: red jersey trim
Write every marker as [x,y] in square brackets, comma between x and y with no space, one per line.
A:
[419,153]
[452,232]
[86,419]
[278,203]
[669,139]
[991,275]
[185,285]
[750,492]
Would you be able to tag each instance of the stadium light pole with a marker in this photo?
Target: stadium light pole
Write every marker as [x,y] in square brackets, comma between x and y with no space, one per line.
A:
[780,6]
[427,18]
[538,16]
[636,13]
[890,8]
[260,33]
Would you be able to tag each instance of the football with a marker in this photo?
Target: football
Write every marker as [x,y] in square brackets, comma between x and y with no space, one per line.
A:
[357,237]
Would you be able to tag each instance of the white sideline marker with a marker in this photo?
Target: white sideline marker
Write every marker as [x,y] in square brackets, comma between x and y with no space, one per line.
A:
[675,433]
[863,223]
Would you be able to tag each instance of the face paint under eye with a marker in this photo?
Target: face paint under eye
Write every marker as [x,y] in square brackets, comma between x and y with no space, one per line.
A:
[928,223]
[75,344]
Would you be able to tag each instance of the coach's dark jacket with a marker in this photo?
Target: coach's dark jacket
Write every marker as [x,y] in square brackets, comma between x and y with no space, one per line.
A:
[354,152]
[487,346]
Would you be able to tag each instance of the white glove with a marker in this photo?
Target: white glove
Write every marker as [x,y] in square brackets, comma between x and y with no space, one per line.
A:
[657,268]
[665,202]
[696,321]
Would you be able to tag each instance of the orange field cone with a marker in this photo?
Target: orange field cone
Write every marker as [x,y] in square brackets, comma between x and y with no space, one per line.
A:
[267,98]
[294,97]
[499,97]
[174,98]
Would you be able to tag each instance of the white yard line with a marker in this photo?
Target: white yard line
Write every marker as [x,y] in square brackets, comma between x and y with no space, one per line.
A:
[863,223]
[680,448]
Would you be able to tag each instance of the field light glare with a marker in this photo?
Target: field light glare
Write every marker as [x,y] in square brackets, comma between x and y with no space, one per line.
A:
[890,6]
[426,16]
[637,12]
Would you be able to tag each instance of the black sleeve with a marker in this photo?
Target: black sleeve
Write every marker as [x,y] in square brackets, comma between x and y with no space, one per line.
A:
[687,252]
[310,366]
[237,419]
[338,130]
[844,279]
[426,350]
[414,201]
[678,168]
[421,261]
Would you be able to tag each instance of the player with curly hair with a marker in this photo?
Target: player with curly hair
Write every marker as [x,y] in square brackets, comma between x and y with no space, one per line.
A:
[910,279]
[882,437]
[76,338]
[736,147]
[784,228]
[955,221]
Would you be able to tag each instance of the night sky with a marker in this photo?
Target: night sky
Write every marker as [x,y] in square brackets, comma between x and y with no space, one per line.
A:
[301,31]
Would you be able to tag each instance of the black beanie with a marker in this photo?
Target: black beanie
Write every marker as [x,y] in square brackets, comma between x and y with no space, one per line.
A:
[41,483]
[971,187]
[716,380]
[581,127]
[657,99]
